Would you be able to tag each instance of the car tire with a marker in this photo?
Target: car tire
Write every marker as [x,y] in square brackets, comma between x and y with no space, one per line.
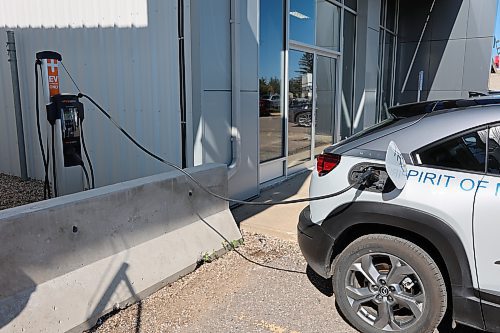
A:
[304,119]
[384,283]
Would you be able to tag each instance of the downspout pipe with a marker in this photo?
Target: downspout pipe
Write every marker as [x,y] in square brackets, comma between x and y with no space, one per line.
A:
[235,89]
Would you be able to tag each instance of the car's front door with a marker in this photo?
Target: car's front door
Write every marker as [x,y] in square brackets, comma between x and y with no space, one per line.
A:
[448,175]
[486,226]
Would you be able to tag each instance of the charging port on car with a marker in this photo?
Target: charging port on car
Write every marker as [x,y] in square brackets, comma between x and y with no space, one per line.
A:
[378,181]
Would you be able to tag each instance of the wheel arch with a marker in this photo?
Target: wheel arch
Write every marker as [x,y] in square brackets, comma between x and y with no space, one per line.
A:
[350,221]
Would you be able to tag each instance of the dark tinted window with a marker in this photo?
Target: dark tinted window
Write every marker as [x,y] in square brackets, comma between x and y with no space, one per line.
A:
[494,150]
[466,152]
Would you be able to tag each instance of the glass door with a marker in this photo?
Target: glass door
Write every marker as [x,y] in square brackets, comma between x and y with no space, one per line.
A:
[326,76]
[311,105]
[300,106]
[299,53]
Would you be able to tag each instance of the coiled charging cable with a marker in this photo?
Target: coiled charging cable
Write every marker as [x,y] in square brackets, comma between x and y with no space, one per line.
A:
[365,177]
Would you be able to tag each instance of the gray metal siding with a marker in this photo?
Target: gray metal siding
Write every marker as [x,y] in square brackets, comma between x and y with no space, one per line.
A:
[454,50]
[211,84]
[129,65]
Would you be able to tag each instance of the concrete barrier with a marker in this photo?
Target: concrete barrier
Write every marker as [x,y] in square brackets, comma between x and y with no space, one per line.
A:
[67,261]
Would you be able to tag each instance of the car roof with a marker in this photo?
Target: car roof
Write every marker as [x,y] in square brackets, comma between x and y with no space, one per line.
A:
[425,123]
[414,109]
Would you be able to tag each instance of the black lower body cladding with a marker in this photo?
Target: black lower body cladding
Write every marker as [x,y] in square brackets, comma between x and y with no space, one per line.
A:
[315,244]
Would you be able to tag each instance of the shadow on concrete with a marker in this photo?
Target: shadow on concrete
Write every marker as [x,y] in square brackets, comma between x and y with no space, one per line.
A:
[281,191]
[13,305]
[121,275]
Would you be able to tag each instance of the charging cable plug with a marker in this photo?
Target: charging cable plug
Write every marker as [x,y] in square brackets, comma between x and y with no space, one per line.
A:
[369,177]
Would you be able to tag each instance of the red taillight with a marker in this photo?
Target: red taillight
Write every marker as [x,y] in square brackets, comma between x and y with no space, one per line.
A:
[326,163]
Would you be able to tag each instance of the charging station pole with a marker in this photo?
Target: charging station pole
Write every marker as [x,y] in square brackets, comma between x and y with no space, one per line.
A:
[68,179]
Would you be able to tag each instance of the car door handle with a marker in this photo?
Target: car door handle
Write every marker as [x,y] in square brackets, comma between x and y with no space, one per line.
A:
[497,262]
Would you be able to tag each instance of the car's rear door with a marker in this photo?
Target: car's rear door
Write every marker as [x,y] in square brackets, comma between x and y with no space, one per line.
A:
[486,226]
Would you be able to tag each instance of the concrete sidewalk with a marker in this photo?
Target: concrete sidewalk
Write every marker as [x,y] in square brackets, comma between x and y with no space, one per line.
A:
[278,221]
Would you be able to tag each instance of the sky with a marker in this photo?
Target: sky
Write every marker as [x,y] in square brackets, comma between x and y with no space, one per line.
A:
[497,28]
[271,33]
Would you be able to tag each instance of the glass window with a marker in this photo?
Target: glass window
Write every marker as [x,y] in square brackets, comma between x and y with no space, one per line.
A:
[315,22]
[302,20]
[270,113]
[347,113]
[387,65]
[383,4]
[300,96]
[325,102]
[390,22]
[353,4]
[466,152]
[327,25]
[386,59]
[494,150]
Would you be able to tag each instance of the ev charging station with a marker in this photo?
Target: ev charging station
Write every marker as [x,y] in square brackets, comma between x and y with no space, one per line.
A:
[63,162]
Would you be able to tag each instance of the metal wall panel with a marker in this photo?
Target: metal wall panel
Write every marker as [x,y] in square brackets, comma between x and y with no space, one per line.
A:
[122,53]
[211,84]
[453,49]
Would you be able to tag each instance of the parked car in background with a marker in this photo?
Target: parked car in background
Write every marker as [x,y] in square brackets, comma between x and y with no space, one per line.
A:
[274,100]
[300,113]
[264,108]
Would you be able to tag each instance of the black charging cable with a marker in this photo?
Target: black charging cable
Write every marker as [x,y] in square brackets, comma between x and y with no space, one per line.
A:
[361,180]
[46,184]
[89,186]
[87,157]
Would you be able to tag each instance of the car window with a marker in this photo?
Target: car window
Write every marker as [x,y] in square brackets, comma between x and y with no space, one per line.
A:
[466,152]
[494,150]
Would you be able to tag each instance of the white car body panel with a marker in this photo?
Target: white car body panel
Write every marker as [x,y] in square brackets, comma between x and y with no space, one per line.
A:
[448,195]
[487,232]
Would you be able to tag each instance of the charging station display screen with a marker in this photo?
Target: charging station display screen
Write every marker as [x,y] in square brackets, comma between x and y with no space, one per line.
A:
[69,123]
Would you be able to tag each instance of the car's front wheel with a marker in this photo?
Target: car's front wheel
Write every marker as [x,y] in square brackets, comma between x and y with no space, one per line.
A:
[384,283]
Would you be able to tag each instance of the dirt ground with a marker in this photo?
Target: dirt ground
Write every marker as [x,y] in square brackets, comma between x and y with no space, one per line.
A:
[232,294]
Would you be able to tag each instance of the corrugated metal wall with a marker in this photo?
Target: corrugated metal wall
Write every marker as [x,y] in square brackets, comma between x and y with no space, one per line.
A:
[122,53]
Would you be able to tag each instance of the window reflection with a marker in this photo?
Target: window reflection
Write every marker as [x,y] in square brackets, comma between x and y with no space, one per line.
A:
[270,113]
[325,102]
[347,114]
[387,42]
[302,18]
[353,4]
[300,96]
[494,150]
[315,22]
[387,65]
[327,25]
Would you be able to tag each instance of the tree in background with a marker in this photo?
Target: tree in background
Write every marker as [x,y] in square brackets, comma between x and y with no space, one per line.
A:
[270,87]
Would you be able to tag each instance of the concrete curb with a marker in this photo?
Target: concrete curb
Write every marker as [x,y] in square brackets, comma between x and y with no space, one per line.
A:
[66,262]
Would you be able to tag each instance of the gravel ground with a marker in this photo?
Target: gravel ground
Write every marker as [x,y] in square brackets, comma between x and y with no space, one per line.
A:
[232,294]
[16,192]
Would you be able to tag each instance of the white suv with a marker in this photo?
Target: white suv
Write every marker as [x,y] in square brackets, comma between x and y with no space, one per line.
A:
[403,258]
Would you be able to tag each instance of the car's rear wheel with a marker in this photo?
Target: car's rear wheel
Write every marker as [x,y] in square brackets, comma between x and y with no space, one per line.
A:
[384,283]
[304,119]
